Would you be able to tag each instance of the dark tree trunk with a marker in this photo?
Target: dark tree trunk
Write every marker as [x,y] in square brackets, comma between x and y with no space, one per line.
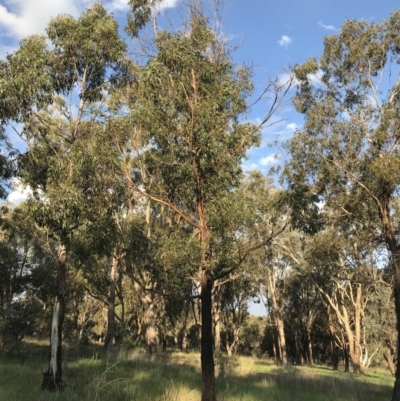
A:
[207,354]
[388,354]
[346,360]
[310,360]
[52,378]
[335,358]
[394,248]
[396,290]
[110,335]
[335,352]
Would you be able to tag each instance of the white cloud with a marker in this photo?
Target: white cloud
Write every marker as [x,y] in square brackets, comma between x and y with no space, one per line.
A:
[327,27]
[292,127]
[20,18]
[117,5]
[287,77]
[284,40]
[269,160]
[316,78]
[122,5]
[168,4]
[19,194]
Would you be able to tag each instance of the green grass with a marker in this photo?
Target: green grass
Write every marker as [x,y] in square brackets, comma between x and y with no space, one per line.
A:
[91,375]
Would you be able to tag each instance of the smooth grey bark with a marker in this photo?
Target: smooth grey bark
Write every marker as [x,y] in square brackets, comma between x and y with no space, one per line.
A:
[52,378]
[110,334]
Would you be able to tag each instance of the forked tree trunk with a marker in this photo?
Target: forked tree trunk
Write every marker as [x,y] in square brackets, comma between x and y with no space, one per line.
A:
[231,348]
[207,354]
[351,325]
[110,335]
[52,378]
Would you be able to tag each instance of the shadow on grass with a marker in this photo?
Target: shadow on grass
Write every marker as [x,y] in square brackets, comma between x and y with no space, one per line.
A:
[298,384]
[92,374]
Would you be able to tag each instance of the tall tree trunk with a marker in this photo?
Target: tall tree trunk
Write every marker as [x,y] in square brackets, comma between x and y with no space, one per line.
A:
[52,378]
[396,290]
[394,248]
[277,318]
[207,354]
[309,347]
[152,334]
[345,353]
[281,337]
[110,335]
[274,344]
[335,353]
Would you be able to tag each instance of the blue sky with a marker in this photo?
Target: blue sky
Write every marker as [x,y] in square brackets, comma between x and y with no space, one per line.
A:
[271,36]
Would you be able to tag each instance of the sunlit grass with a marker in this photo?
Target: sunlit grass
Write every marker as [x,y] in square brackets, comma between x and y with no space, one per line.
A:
[123,375]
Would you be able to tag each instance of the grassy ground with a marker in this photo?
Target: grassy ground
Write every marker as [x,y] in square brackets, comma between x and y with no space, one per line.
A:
[91,375]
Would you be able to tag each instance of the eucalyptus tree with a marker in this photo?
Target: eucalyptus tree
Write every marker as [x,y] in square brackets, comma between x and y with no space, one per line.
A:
[26,257]
[236,295]
[192,98]
[349,146]
[302,307]
[40,85]
[346,275]
[266,222]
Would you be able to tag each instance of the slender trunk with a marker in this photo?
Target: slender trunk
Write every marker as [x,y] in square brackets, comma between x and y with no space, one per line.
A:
[274,344]
[345,353]
[277,317]
[150,320]
[207,354]
[334,348]
[281,337]
[217,321]
[357,365]
[185,340]
[77,328]
[52,378]
[388,354]
[217,337]
[231,347]
[110,335]
[177,344]
[309,349]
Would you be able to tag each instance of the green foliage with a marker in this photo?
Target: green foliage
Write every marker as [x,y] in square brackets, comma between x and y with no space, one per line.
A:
[141,12]
[348,148]
[192,100]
